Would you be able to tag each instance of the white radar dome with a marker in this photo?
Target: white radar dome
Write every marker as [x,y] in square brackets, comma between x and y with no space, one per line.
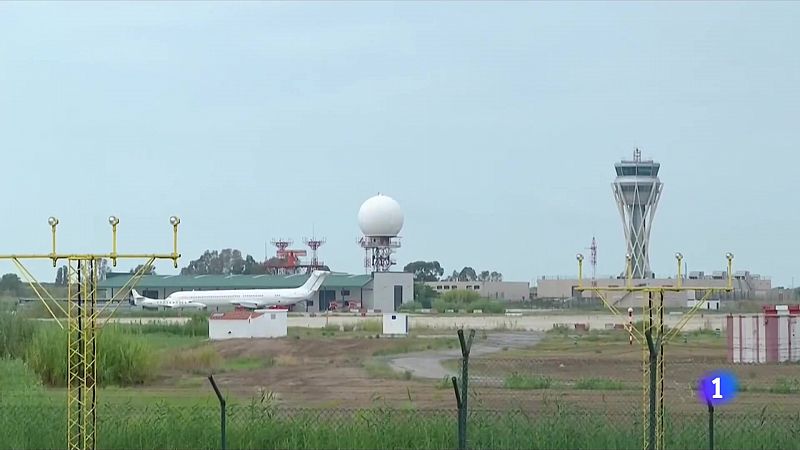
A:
[380,216]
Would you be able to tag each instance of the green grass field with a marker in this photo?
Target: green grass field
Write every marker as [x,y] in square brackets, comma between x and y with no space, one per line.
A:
[186,413]
[162,424]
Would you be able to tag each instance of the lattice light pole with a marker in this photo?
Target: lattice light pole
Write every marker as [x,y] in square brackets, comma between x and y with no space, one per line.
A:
[84,319]
[653,336]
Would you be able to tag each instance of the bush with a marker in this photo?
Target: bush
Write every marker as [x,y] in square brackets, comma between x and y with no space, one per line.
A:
[599,384]
[371,326]
[15,335]
[521,381]
[122,359]
[47,355]
[200,360]
[17,378]
[196,326]
[467,300]
[411,306]
[460,296]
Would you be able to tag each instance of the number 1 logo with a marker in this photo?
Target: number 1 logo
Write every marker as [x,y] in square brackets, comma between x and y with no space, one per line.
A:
[716,383]
[717,387]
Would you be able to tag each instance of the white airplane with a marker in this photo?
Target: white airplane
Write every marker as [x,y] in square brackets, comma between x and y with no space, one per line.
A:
[247,298]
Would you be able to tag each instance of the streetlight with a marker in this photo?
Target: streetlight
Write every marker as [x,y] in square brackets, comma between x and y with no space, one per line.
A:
[174,221]
[53,222]
[113,221]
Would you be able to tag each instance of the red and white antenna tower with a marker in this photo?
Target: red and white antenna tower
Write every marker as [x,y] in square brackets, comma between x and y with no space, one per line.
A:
[593,261]
[314,244]
[282,245]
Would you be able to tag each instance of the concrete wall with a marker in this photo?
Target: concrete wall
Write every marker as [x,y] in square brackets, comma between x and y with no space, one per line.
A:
[272,323]
[219,329]
[379,293]
[499,290]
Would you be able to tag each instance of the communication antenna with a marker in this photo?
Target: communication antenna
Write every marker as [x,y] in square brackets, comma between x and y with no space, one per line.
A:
[314,244]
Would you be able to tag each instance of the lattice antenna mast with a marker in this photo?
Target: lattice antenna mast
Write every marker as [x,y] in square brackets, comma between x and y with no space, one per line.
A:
[82,321]
[314,244]
[593,260]
[282,244]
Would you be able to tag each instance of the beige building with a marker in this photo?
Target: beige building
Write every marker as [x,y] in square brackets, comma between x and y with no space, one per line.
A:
[745,286]
[499,290]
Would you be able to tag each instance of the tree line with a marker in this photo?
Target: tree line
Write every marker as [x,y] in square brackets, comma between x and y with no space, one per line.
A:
[432,271]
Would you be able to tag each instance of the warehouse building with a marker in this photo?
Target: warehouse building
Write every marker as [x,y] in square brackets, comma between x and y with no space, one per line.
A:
[497,290]
[383,291]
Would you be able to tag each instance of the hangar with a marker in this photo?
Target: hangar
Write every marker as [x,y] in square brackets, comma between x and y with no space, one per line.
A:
[383,291]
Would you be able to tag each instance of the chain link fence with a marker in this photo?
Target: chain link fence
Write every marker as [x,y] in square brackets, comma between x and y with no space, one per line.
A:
[588,396]
[264,426]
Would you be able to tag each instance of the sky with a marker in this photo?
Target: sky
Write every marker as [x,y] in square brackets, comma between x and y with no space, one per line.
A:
[496,127]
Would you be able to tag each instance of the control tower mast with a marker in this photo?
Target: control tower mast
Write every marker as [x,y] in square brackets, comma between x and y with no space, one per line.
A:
[637,190]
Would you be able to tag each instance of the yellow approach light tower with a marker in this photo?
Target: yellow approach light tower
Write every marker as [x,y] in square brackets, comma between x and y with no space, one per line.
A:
[84,319]
[653,336]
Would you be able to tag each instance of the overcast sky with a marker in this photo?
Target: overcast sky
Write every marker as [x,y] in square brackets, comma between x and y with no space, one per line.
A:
[495,126]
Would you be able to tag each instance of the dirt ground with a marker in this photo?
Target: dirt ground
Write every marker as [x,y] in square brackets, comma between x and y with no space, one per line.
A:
[331,373]
[315,373]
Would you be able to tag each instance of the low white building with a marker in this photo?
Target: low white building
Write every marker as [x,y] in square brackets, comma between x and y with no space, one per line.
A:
[241,324]
[395,324]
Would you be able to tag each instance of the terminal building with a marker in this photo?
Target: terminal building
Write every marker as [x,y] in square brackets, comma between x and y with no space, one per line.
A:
[380,291]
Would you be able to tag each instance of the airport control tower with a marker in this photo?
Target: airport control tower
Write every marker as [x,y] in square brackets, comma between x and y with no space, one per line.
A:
[637,190]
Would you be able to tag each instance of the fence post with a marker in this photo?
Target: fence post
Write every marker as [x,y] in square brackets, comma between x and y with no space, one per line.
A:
[222,409]
[462,398]
[710,426]
[651,442]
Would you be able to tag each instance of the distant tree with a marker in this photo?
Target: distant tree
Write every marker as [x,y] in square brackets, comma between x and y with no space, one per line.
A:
[237,263]
[227,261]
[467,274]
[62,276]
[424,270]
[424,294]
[201,265]
[104,268]
[230,261]
[10,283]
[253,267]
[496,276]
[150,271]
[484,276]
[453,277]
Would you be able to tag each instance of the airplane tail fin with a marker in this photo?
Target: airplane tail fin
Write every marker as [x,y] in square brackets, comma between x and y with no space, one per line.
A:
[136,297]
[315,281]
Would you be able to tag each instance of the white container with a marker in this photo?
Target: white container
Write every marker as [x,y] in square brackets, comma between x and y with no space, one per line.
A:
[395,324]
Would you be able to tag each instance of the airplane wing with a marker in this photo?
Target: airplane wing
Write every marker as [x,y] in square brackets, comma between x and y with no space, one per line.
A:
[248,305]
[197,305]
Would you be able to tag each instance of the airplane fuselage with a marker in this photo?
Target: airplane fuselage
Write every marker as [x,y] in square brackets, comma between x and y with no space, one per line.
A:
[248,298]
[267,297]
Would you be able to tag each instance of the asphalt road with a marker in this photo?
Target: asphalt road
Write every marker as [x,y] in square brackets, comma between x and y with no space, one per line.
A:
[428,364]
